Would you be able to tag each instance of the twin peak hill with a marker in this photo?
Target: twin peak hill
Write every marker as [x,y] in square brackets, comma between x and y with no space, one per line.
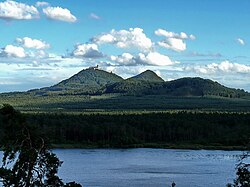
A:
[93,81]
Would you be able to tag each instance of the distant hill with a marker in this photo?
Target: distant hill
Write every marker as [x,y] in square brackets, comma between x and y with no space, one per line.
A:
[196,87]
[147,76]
[97,82]
[137,85]
[185,87]
[88,81]
[89,77]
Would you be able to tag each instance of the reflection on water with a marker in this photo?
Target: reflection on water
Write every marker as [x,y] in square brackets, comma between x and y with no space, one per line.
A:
[147,167]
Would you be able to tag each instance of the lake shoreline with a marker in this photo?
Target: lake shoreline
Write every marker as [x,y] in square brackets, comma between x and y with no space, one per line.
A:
[152,146]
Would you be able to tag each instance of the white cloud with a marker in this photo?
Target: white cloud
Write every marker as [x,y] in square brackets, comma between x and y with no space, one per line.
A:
[218,68]
[58,13]
[94,16]
[125,58]
[19,11]
[154,58]
[197,54]
[87,51]
[175,44]
[167,34]
[192,37]
[132,38]
[41,3]
[241,41]
[32,43]
[13,51]
[105,38]
[37,54]
[151,58]
[174,41]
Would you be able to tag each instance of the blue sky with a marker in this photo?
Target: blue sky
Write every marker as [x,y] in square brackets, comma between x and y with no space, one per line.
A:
[43,42]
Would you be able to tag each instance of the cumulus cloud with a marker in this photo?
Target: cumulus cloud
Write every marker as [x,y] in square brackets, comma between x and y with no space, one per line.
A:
[125,58]
[167,34]
[94,16]
[151,58]
[154,58]
[132,38]
[241,41]
[87,51]
[223,67]
[13,51]
[58,13]
[17,11]
[32,43]
[175,44]
[41,3]
[173,41]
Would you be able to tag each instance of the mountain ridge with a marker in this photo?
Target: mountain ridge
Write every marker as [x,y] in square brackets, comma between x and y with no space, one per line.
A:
[93,81]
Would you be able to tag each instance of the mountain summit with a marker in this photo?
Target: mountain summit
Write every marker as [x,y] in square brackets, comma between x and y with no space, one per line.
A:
[148,76]
[87,81]
[89,77]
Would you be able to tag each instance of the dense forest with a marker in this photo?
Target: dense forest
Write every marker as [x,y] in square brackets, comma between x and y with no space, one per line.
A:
[171,129]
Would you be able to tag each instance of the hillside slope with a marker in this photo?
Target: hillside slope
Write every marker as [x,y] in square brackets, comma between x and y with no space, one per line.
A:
[147,76]
[88,81]
[184,87]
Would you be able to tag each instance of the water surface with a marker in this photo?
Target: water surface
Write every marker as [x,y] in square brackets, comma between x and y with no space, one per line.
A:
[148,167]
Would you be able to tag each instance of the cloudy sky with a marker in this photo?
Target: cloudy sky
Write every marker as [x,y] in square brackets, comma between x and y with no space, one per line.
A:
[43,42]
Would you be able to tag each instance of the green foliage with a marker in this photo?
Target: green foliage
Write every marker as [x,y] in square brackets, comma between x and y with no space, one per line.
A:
[27,160]
[242,173]
[107,102]
[96,89]
[149,129]
[147,76]
[181,87]
[87,81]
[243,176]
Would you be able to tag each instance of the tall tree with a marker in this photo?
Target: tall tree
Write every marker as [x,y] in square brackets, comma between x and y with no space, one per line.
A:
[27,160]
[242,171]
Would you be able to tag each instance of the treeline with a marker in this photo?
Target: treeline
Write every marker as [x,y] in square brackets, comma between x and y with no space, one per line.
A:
[153,129]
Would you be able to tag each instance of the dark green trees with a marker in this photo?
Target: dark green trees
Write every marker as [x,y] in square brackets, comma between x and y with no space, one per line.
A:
[27,161]
[243,173]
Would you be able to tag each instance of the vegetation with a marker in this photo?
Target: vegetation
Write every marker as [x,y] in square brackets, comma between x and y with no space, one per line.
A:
[94,89]
[185,87]
[95,108]
[148,76]
[82,103]
[243,172]
[27,160]
[89,81]
[211,130]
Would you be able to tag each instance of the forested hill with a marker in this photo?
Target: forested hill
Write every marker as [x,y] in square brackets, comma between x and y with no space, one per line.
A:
[148,76]
[93,81]
[88,81]
[89,77]
[148,83]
